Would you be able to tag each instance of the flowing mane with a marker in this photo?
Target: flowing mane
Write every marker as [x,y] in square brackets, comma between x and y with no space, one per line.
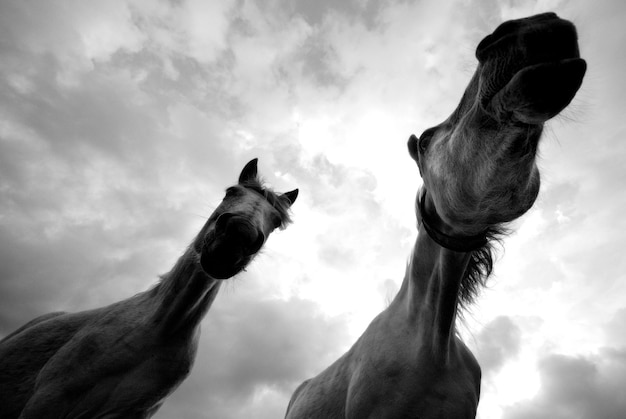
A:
[480,267]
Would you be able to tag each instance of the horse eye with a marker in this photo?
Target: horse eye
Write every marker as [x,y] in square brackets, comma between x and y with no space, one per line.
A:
[232,191]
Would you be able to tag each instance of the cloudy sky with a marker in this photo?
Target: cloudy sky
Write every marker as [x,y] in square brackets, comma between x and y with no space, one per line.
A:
[122,122]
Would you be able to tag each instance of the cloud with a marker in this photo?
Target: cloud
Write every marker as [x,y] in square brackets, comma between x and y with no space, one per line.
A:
[72,259]
[315,12]
[579,387]
[614,329]
[122,122]
[103,175]
[74,32]
[498,342]
[253,354]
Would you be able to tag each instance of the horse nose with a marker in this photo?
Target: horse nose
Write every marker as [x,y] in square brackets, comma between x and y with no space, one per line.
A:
[240,232]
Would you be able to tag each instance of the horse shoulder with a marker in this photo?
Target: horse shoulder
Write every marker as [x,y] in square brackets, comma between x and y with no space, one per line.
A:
[468,368]
[446,389]
[324,395]
[397,376]
[296,394]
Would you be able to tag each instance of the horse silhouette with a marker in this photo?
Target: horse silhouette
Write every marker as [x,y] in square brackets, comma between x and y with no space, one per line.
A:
[123,360]
[479,172]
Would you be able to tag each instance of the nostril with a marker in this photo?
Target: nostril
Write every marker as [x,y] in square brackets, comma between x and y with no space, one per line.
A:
[222,221]
[240,227]
[240,233]
[257,244]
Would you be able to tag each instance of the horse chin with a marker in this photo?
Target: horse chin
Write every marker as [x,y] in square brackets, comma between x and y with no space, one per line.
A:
[220,264]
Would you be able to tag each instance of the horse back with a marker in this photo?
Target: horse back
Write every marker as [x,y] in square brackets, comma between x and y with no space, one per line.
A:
[114,360]
[31,323]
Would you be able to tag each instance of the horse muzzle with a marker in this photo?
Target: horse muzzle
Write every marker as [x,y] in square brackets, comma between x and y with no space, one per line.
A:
[231,247]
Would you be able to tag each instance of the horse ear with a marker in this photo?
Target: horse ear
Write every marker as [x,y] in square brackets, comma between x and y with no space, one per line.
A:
[412,145]
[249,171]
[291,196]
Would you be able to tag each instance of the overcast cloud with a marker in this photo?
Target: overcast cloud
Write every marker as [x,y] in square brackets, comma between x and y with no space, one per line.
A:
[122,122]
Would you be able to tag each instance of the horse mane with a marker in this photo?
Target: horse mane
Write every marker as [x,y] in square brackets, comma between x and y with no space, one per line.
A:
[279,202]
[480,267]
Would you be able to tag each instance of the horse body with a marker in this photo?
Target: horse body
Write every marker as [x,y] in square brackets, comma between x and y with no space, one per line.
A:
[123,360]
[479,172]
[109,361]
[408,362]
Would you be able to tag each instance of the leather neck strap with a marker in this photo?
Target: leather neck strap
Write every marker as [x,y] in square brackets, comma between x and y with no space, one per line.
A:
[456,243]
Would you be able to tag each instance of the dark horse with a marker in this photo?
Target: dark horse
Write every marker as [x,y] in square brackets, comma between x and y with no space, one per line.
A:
[479,172]
[123,360]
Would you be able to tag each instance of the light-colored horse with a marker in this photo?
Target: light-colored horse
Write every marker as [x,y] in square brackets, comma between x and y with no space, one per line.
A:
[479,172]
[123,360]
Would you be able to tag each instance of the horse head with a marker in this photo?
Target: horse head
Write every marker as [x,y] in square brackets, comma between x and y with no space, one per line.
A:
[478,166]
[241,224]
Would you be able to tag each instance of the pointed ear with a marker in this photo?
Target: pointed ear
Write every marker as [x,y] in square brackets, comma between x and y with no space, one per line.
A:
[291,196]
[249,171]
[412,145]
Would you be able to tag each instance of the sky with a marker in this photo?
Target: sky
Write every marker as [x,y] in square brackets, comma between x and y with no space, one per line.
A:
[122,122]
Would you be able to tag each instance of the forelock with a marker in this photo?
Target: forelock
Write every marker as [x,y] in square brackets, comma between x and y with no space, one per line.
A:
[277,201]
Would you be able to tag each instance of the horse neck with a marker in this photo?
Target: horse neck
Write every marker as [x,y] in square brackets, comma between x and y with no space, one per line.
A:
[184,295]
[429,293]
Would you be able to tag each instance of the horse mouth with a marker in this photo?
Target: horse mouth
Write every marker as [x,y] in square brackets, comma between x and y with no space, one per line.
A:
[222,262]
[226,253]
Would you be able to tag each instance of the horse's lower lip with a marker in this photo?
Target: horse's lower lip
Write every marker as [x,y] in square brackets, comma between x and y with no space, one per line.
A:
[220,264]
